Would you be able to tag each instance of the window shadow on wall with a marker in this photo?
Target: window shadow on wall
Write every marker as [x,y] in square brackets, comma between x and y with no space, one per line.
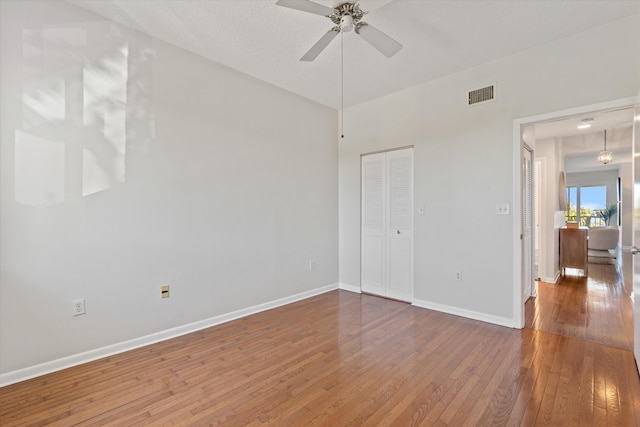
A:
[86,102]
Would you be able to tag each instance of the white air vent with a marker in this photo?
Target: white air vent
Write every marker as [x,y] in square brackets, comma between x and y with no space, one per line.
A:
[481,95]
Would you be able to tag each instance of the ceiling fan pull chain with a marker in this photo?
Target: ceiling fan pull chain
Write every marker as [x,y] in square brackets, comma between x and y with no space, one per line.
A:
[342,82]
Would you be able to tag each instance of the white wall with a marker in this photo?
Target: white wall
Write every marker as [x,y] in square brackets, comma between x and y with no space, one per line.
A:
[128,163]
[464,160]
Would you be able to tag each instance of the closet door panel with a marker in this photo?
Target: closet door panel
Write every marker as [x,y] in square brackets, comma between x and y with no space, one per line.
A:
[399,280]
[399,277]
[373,221]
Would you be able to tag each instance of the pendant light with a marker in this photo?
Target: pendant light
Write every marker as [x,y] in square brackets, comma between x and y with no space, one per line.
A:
[605,156]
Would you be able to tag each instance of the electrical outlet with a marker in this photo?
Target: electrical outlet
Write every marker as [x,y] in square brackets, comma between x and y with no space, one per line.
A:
[78,307]
[459,276]
[164,291]
[312,265]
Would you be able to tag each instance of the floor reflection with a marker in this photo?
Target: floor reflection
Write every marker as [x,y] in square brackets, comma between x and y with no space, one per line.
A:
[597,308]
[342,358]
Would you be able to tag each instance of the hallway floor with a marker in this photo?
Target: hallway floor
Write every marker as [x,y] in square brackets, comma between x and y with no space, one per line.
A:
[597,308]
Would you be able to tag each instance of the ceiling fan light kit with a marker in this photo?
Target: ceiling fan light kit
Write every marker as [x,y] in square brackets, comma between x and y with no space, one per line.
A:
[346,15]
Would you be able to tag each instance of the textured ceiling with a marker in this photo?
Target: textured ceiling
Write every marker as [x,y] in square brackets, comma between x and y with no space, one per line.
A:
[266,41]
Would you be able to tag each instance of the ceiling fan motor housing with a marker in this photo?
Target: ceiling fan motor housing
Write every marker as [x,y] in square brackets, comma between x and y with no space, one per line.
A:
[346,15]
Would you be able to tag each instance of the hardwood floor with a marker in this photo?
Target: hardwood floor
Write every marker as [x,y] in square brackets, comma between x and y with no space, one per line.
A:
[597,308]
[342,359]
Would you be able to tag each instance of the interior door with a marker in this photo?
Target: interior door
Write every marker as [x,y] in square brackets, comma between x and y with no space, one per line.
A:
[527,222]
[387,224]
[399,230]
[373,271]
[635,152]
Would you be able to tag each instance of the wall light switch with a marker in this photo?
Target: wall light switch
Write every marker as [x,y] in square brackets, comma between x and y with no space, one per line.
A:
[502,209]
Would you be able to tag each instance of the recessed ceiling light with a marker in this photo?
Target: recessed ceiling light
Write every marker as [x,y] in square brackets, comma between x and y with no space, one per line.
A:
[585,123]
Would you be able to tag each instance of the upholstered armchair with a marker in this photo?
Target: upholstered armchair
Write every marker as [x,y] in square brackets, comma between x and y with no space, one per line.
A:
[603,244]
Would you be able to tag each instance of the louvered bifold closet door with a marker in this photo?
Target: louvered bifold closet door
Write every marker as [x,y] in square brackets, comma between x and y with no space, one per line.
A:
[399,278]
[373,221]
[387,224]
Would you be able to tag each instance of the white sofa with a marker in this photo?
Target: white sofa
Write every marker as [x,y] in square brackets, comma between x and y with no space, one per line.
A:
[602,246]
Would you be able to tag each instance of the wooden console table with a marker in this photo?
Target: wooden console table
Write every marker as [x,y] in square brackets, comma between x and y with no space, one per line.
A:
[573,249]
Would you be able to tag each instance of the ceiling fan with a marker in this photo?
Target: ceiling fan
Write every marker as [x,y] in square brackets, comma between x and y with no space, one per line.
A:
[346,16]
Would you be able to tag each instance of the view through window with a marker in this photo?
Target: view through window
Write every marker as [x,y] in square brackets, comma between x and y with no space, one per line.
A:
[586,204]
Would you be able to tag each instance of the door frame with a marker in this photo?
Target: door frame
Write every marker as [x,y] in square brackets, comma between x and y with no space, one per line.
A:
[635,236]
[518,128]
[532,220]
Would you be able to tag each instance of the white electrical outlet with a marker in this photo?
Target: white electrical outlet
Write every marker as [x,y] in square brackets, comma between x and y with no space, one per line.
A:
[459,275]
[78,307]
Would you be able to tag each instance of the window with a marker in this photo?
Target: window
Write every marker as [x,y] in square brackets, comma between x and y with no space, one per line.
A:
[572,202]
[585,204]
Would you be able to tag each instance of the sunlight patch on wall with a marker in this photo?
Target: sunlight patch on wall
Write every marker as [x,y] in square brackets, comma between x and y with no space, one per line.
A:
[76,110]
[43,103]
[105,101]
[40,161]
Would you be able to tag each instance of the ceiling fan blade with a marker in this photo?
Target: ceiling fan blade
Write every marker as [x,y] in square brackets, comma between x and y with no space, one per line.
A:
[320,45]
[376,38]
[306,6]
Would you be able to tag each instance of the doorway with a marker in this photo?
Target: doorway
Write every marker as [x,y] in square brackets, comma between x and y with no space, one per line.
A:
[550,195]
